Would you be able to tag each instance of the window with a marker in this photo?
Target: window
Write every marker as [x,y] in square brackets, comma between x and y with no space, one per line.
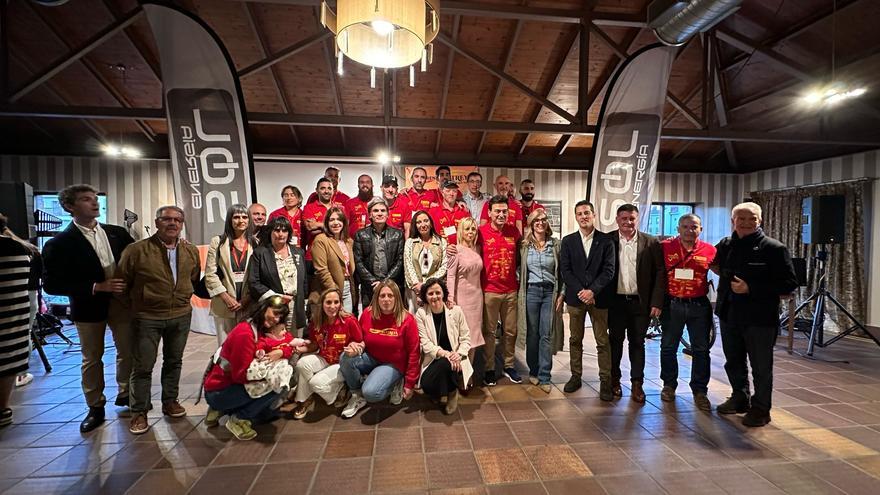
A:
[663,218]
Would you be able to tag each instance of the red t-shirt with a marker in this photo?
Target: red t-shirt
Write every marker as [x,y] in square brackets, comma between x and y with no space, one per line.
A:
[236,355]
[390,343]
[398,212]
[514,212]
[446,220]
[317,211]
[499,258]
[358,216]
[295,223]
[686,271]
[424,200]
[338,197]
[267,343]
[526,210]
[332,339]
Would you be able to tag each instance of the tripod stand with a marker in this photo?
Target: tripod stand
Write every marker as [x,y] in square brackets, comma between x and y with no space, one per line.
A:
[822,294]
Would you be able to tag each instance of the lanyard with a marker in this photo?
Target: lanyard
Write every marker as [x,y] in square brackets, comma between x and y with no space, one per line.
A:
[685,257]
[239,260]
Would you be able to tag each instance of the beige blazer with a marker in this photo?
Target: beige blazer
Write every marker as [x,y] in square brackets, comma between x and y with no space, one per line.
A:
[220,256]
[457,330]
[330,267]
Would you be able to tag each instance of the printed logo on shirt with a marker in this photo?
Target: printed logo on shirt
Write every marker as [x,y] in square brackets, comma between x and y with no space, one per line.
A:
[340,337]
[387,332]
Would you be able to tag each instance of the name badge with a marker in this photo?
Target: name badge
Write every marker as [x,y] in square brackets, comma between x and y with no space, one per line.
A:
[448,231]
[294,240]
[684,274]
[238,277]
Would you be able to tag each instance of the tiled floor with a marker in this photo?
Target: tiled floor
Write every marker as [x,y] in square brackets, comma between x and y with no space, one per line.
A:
[824,438]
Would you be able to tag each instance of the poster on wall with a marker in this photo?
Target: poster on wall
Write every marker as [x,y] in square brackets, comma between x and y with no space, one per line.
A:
[459,175]
[554,214]
[628,141]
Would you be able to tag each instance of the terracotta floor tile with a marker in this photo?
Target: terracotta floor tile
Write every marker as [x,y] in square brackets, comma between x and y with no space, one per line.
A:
[81,459]
[690,482]
[467,490]
[843,476]
[831,443]
[484,413]
[252,452]
[535,433]
[578,429]
[639,483]
[520,411]
[106,483]
[399,441]
[446,438]
[505,466]
[57,484]
[518,489]
[491,436]
[556,462]
[653,456]
[27,461]
[509,393]
[865,436]
[166,481]
[793,479]
[349,476]
[621,428]
[604,458]
[393,417]
[225,479]
[398,473]
[435,417]
[314,422]
[741,481]
[285,478]
[853,413]
[17,436]
[575,486]
[554,409]
[350,444]
[452,470]
[300,447]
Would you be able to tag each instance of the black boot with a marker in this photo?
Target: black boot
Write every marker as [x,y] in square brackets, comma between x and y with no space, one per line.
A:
[573,384]
[756,417]
[735,404]
[605,392]
[94,419]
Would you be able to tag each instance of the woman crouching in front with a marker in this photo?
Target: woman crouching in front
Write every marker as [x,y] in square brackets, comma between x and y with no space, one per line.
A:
[445,340]
[331,332]
[389,355]
[226,384]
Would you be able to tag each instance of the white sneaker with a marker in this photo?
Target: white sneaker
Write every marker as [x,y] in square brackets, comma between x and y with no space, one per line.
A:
[22,380]
[355,404]
[397,393]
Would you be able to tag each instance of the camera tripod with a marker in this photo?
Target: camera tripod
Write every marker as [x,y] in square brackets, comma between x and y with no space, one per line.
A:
[821,296]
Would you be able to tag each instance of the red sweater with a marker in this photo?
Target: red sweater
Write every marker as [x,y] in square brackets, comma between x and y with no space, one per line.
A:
[236,355]
[332,339]
[390,343]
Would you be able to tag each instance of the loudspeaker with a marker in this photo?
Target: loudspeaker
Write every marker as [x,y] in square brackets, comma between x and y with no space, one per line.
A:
[824,219]
[17,203]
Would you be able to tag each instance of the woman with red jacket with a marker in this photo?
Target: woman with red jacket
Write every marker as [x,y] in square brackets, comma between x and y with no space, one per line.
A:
[331,331]
[224,384]
[389,355]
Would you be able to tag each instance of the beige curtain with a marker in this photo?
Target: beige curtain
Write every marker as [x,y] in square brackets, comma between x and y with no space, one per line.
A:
[846,262]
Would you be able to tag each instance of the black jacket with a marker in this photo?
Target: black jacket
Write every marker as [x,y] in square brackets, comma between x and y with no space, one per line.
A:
[580,273]
[363,256]
[650,271]
[263,276]
[765,265]
[71,268]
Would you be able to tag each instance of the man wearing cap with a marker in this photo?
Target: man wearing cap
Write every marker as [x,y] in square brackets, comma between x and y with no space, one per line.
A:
[419,197]
[447,215]
[444,173]
[356,207]
[399,210]
[504,187]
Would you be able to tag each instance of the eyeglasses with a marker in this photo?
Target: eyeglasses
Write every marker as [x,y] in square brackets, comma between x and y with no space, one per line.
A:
[541,220]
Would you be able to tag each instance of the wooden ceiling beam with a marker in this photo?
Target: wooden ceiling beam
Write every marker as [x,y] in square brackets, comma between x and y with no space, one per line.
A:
[746,45]
[285,53]
[327,47]
[76,53]
[447,75]
[251,16]
[473,57]
[139,44]
[508,57]
[719,97]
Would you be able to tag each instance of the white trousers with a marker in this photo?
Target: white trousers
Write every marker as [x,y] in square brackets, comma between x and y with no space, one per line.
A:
[314,375]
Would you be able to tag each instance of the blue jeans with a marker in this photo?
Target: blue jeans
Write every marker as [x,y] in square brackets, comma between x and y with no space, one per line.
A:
[539,317]
[696,314]
[234,399]
[380,379]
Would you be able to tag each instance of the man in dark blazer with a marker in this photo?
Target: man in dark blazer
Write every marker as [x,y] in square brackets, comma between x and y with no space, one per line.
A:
[635,295]
[79,263]
[586,261]
[368,242]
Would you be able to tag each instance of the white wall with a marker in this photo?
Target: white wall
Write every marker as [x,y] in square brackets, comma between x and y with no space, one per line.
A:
[271,176]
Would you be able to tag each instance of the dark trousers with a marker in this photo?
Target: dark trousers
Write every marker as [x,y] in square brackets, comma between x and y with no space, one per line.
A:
[438,379]
[696,314]
[755,343]
[627,320]
[234,399]
[146,335]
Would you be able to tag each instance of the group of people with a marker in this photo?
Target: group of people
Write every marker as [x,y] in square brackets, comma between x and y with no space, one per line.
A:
[355,300]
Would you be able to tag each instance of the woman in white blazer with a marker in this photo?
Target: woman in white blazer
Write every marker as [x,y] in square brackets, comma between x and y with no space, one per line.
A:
[445,340]
[225,266]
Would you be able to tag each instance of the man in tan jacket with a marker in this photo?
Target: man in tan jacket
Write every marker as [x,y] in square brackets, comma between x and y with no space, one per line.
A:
[159,273]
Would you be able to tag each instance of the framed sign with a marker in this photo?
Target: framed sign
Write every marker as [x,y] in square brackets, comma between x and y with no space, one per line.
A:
[554,214]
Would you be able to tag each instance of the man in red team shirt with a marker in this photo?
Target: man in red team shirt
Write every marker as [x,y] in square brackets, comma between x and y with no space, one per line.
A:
[687,261]
[500,248]
[444,173]
[527,193]
[447,215]
[504,187]
[291,199]
[356,207]
[339,197]
[313,213]
[419,197]
[399,208]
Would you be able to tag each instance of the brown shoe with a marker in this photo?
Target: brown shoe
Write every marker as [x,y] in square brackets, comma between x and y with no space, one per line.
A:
[139,424]
[303,408]
[173,408]
[616,391]
[638,394]
[667,394]
[342,397]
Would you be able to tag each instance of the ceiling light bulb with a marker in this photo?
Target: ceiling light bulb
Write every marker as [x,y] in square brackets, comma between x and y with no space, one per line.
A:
[129,152]
[111,150]
[858,92]
[383,158]
[396,158]
[382,27]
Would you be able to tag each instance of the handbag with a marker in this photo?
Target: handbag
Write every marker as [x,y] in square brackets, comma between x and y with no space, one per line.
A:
[200,290]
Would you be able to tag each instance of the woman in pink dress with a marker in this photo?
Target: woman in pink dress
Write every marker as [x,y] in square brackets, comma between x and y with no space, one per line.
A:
[463,280]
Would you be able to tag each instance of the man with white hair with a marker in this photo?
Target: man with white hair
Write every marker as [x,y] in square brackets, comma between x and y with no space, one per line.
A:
[755,272]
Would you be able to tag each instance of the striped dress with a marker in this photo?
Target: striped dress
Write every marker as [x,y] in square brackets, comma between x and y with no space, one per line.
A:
[14,307]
